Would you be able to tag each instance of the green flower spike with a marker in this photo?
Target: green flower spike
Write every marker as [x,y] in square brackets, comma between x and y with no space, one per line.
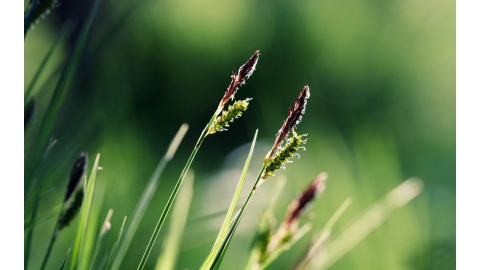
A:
[234,111]
[284,155]
[73,207]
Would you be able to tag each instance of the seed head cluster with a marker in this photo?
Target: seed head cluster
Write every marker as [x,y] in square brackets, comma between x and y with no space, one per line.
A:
[283,155]
[234,111]
[278,156]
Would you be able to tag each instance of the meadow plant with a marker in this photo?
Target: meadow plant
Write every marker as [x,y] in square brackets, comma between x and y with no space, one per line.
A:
[269,244]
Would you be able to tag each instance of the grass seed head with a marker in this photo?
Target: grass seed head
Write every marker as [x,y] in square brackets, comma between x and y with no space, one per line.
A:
[244,72]
[78,170]
[293,119]
[69,213]
[289,227]
[283,155]
[298,206]
[234,111]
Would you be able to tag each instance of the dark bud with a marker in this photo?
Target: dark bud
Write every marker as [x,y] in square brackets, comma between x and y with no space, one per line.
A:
[69,213]
[76,174]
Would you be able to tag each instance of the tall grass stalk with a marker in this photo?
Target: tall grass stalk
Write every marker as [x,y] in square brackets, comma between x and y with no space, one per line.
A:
[233,204]
[103,230]
[114,248]
[171,244]
[244,72]
[146,197]
[174,193]
[84,216]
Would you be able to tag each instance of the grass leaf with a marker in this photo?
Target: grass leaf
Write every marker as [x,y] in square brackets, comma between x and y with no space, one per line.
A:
[147,196]
[103,231]
[114,248]
[66,30]
[84,215]
[171,244]
[367,222]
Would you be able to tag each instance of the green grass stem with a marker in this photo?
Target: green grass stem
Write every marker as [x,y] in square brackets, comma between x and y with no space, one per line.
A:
[146,197]
[171,245]
[114,248]
[174,193]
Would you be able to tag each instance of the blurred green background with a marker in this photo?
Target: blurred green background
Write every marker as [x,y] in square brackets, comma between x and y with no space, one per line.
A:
[382,109]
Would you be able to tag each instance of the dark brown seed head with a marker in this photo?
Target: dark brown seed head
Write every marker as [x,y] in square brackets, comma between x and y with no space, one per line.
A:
[296,208]
[244,72]
[78,170]
[293,119]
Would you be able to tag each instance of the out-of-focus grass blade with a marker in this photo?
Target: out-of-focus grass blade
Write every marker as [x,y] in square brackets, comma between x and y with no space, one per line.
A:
[103,231]
[84,215]
[366,223]
[147,196]
[62,267]
[171,244]
[114,248]
[325,234]
[228,218]
[63,82]
[66,30]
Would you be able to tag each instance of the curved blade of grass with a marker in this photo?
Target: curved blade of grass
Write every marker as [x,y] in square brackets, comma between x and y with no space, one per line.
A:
[64,263]
[172,197]
[102,233]
[84,215]
[147,196]
[228,217]
[114,248]
[171,244]
[368,222]
[63,82]
[279,251]
[66,30]
[325,234]
[219,250]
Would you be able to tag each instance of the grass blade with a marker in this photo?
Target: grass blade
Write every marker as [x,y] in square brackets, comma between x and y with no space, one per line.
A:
[171,244]
[64,263]
[228,217]
[325,234]
[84,215]
[218,251]
[172,197]
[114,248]
[368,222]
[66,30]
[63,82]
[102,233]
[147,196]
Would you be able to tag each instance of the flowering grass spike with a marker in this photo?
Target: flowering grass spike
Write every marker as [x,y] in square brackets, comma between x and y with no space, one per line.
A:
[284,155]
[234,111]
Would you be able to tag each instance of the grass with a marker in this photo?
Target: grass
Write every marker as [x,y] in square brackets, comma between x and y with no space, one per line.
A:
[90,248]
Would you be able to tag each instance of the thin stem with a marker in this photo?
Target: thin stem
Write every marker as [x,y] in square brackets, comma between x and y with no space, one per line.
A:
[55,233]
[164,214]
[50,247]
[227,239]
